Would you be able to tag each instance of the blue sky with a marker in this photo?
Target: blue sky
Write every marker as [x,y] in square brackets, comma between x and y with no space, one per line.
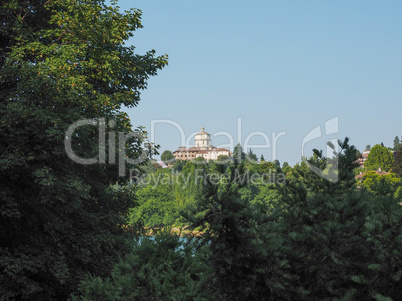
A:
[279,66]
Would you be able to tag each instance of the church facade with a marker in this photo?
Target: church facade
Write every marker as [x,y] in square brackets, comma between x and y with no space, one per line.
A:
[202,148]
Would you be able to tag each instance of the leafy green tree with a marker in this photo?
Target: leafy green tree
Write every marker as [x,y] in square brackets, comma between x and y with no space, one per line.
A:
[385,185]
[221,163]
[266,167]
[156,203]
[150,167]
[262,158]
[223,159]
[167,157]
[379,157]
[60,62]
[286,167]
[179,164]
[368,147]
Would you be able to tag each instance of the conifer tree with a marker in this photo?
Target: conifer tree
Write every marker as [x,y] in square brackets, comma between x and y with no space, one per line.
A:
[241,244]
[397,143]
[238,154]
[397,167]
[333,231]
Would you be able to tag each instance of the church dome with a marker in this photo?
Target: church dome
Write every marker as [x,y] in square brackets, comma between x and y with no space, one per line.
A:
[203,139]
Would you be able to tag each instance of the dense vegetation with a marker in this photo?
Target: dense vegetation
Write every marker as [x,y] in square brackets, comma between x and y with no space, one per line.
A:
[231,229]
[63,61]
[304,239]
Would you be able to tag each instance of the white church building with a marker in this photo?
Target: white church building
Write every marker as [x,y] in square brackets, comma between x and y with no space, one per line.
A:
[202,148]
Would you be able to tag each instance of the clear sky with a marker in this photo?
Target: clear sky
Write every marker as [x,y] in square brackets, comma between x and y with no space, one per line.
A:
[279,66]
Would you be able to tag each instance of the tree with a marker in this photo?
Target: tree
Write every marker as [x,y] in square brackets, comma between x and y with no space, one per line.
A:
[60,62]
[368,147]
[385,185]
[262,158]
[337,236]
[242,261]
[156,204]
[379,157]
[199,160]
[238,154]
[397,143]
[252,157]
[162,267]
[167,157]
[222,162]
[222,158]
[397,168]
[179,164]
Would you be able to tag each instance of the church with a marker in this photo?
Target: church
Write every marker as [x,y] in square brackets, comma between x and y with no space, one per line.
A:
[202,148]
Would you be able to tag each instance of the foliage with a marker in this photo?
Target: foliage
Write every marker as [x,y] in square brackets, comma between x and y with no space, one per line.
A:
[179,164]
[63,61]
[167,157]
[397,168]
[379,157]
[222,160]
[241,248]
[150,166]
[252,157]
[338,245]
[163,267]
[311,239]
[199,159]
[238,154]
[157,205]
[385,185]
[397,143]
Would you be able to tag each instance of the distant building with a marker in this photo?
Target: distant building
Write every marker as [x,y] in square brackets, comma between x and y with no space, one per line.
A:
[202,148]
[378,172]
[363,158]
